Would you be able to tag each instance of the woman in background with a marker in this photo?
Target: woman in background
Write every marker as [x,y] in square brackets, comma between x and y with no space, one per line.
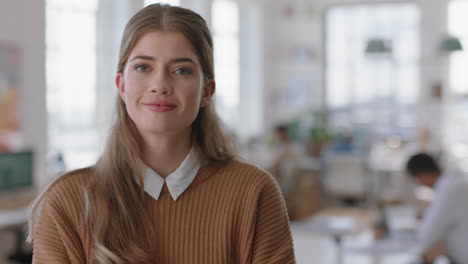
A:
[167,188]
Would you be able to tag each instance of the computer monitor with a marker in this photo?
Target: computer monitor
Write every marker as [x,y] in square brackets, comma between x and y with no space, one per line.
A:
[16,173]
[16,170]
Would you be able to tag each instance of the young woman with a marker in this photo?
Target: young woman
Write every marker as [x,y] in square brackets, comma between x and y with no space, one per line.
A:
[167,188]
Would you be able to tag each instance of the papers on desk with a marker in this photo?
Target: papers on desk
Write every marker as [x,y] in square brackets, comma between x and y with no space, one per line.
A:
[385,247]
[326,225]
[331,226]
[338,222]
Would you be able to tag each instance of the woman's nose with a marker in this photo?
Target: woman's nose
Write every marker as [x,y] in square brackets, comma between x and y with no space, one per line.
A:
[161,83]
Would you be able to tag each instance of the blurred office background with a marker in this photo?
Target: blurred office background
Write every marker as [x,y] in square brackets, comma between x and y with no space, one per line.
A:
[358,85]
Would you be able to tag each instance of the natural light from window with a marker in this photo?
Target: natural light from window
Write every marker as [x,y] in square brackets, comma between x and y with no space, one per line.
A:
[457,26]
[225,18]
[456,106]
[376,90]
[71,79]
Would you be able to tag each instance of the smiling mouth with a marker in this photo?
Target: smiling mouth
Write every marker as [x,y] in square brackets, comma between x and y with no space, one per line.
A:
[160,107]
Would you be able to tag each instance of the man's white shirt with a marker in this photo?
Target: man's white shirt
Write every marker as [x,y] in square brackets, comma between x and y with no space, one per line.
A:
[446,219]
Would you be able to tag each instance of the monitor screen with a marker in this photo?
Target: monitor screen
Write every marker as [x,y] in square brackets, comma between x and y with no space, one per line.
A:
[16,170]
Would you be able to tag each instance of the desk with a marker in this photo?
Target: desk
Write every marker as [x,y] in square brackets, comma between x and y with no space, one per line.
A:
[401,242]
[13,209]
[14,216]
[406,250]
[337,223]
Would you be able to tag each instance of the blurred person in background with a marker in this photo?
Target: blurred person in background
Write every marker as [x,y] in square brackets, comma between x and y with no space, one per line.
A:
[444,224]
[285,159]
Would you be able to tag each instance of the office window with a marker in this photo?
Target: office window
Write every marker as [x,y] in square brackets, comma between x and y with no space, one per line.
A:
[457,26]
[379,91]
[225,19]
[71,79]
[171,2]
[456,106]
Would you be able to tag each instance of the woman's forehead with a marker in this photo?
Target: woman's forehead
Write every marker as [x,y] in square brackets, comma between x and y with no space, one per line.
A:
[164,45]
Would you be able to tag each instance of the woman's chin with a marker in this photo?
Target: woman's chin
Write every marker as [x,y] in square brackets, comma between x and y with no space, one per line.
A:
[162,130]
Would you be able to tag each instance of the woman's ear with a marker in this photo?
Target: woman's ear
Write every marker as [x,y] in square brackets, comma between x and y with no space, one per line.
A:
[208,90]
[120,84]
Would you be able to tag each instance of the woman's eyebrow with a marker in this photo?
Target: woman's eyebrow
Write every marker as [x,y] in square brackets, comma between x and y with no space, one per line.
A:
[143,57]
[175,60]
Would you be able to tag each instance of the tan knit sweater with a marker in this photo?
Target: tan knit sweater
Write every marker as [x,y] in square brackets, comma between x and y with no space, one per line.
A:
[229,214]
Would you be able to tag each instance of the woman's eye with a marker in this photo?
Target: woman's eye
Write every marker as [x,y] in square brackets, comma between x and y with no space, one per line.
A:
[182,71]
[141,68]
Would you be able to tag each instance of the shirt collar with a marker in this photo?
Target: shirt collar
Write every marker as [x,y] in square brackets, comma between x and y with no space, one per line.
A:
[177,182]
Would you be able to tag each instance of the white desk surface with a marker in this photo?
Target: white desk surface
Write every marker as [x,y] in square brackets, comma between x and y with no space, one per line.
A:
[338,222]
[13,208]
[386,247]
[15,217]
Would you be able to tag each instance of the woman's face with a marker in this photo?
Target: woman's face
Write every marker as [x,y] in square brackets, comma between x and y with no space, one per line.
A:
[162,84]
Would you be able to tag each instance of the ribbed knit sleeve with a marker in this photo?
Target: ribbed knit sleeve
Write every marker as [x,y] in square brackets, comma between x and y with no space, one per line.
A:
[49,244]
[56,237]
[272,241]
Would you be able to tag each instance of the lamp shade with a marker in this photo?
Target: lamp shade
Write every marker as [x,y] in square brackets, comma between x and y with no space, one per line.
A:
[450,44]
[378,46]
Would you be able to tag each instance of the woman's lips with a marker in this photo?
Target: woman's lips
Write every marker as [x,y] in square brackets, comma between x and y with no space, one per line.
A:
[160,107]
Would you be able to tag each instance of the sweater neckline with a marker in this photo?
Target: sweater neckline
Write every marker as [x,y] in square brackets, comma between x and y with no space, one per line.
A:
[207,171]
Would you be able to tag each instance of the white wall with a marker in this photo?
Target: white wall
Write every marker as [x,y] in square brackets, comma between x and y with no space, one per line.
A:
[202,7]
[22,23]
[111,20]
[251,85]
[284,36]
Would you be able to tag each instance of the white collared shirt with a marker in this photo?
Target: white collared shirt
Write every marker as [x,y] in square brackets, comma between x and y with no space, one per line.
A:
[446,218]
[177,182]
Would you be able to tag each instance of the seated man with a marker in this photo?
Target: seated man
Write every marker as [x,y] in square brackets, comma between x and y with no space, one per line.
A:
[445,221]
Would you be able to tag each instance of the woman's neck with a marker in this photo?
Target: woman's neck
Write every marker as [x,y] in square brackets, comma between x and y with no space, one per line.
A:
[165,153]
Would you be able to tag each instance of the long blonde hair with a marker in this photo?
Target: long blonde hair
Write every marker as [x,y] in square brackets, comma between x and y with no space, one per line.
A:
[113,190]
